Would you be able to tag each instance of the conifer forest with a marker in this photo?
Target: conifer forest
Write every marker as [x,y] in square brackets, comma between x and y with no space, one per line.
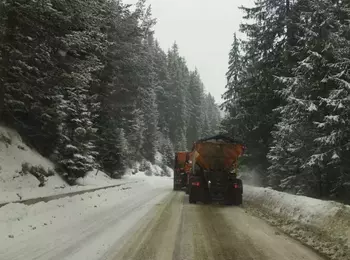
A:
[87,85]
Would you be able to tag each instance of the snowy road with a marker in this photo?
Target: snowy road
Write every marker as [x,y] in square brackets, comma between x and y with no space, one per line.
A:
[146,221]
[177,230]
[81,227]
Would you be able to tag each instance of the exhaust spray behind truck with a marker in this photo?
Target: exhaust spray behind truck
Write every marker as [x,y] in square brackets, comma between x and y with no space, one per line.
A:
[214,171]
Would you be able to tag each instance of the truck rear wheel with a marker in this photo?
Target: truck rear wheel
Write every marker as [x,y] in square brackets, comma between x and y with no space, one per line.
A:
[176,187]
[235,193]
[240,194]
[206,196]
[191,198]
[239,199]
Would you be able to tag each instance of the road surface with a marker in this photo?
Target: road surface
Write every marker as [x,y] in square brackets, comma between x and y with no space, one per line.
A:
[182,231]
[144,222]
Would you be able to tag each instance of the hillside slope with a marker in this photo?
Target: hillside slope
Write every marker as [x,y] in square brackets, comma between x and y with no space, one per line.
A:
[17,185]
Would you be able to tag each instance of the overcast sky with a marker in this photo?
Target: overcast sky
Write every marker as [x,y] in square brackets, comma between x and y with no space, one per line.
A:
[203,29]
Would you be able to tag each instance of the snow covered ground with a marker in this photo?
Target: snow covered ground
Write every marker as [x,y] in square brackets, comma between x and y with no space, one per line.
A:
[91,226]
[322,225]
[71,228]
[15,186]
[61,229]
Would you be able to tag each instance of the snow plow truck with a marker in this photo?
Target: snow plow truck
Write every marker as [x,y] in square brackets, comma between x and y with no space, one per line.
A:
[182,168]
[213,176]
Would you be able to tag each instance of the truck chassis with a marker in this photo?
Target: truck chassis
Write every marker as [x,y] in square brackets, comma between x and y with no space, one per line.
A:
[228,192]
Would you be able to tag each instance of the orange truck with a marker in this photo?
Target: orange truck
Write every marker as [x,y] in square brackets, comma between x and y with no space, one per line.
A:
[180,175]
[182,168]
[213,175]
[188,169]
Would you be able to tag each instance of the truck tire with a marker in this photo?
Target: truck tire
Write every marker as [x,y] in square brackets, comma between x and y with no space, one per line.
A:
[239,199]
[234,197]
[176,187]
[191,198]
[230,200]
[240,183]
[240,196]
[206,196]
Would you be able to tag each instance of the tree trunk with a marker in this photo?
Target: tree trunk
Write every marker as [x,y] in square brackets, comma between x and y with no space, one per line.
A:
[2,99]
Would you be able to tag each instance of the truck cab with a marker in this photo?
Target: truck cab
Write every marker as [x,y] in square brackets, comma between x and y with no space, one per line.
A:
[181,170]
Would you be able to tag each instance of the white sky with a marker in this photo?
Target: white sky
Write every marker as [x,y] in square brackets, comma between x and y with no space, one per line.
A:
[203,29]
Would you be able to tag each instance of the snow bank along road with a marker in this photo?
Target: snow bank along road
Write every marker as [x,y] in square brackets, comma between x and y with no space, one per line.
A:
[144,220]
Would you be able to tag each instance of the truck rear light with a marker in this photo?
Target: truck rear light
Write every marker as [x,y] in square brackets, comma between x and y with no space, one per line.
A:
[235,186]
[197,183]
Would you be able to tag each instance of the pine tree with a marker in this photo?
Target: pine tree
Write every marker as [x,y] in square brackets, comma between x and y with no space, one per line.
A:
[254,63]
[206,132]
[119,87]
[233,124]
[162,87]
[233,75]
[86,84]
[178,76]
[299,163]
[213,114]
[121,146]
[167,150]
[333,129]
[27,68]
[78,108]
[149,98]
[150,144]
[335,136]
[3,55]
[76,150]
[194,106]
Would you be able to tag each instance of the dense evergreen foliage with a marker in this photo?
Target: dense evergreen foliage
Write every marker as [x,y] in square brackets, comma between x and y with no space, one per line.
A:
[288,95]
[86,83]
